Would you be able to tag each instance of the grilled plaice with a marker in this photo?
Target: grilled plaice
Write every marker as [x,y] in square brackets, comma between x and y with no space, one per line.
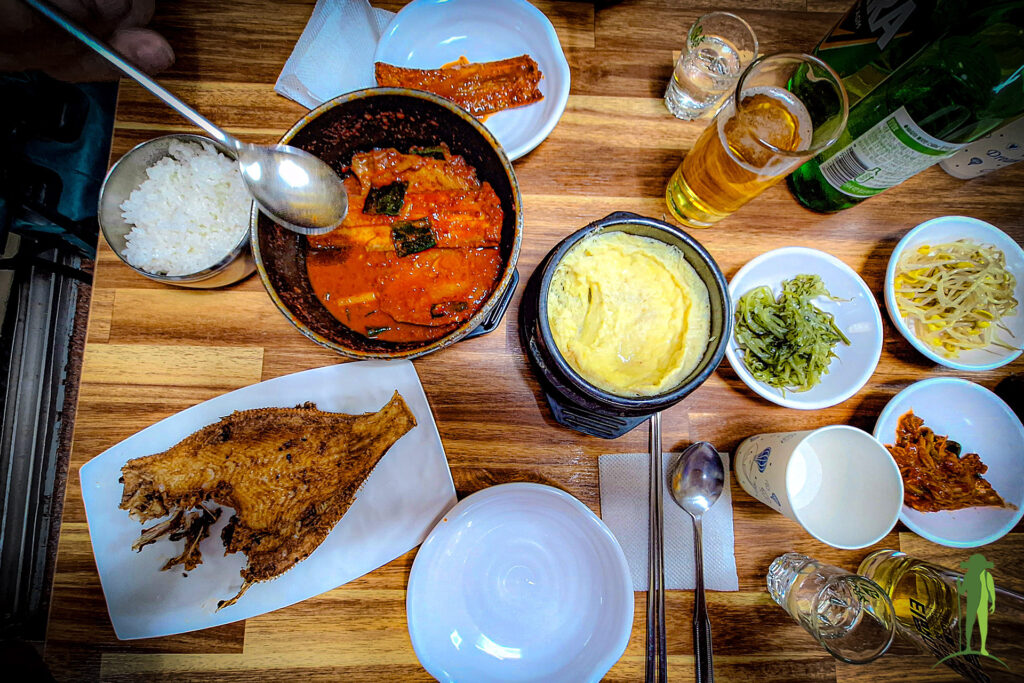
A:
[290,474]
[480,88]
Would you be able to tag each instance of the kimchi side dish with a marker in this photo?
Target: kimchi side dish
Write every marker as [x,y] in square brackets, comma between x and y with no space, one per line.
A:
[935,476]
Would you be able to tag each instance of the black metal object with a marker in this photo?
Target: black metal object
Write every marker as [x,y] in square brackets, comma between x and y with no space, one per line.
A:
[492,321]
[574,402]
[56,140]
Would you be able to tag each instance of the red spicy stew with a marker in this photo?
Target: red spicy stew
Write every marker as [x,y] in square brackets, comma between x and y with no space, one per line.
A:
[417,254]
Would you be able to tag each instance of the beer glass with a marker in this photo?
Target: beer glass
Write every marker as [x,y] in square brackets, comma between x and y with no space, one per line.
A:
[786,109]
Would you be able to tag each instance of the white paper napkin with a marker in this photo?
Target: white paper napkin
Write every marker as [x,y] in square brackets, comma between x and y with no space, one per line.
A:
[334,55]
[624,508]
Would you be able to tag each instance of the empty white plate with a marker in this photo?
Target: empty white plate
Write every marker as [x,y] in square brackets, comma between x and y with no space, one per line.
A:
[854,308]
[520,582]
[981,423]
[427,34]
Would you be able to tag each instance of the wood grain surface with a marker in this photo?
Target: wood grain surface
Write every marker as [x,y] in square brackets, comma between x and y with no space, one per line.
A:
[153,350]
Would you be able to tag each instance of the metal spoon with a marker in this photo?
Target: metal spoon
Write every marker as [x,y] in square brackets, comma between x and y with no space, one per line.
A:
[295,188]
[696,482]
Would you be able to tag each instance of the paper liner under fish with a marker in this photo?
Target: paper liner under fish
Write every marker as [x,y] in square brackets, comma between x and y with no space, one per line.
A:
[290,474]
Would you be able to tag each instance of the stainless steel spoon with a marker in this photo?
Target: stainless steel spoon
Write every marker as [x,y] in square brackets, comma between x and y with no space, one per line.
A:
[295,188]
[696,482]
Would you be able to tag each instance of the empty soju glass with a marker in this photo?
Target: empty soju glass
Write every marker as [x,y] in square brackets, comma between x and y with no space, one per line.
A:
[718,48]
[849,615]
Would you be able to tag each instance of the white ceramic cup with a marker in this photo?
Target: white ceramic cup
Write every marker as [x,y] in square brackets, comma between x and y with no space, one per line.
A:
[838,482]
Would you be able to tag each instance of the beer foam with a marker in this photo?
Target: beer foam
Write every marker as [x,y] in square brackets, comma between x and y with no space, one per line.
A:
[771,132]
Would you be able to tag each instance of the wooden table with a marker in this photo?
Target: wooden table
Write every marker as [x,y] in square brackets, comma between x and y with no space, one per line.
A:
[153,350]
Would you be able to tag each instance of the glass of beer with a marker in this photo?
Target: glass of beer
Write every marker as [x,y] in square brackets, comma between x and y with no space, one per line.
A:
[786,109]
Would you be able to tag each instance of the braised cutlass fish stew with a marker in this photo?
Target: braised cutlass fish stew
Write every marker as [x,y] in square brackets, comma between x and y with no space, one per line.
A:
[417,254]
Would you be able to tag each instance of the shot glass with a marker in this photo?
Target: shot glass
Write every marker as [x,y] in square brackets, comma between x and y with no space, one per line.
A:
[838,482]
[719,46]
[785,109]
[849,615]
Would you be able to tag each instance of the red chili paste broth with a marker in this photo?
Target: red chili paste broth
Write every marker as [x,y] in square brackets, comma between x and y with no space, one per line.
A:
[359,277]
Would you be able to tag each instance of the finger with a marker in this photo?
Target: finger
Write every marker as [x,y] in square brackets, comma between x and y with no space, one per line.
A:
[144,48]
[23,29]
[139,14]
[97,16]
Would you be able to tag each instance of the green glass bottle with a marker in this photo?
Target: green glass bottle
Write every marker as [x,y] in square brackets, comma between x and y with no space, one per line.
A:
[876,36]
[958,88]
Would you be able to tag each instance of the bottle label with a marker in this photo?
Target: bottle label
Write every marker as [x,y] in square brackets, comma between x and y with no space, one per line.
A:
[891,151]
[872,21]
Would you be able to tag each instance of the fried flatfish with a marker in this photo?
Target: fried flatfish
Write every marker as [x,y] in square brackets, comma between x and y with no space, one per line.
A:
[290,474]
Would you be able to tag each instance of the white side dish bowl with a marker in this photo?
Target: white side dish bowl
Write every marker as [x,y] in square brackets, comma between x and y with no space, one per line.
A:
[856,315]
[981,423]
[950,229]
[427,34]
[519,582]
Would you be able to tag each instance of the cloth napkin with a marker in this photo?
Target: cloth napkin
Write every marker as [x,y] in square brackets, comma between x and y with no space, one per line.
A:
[624,508]
[334,54]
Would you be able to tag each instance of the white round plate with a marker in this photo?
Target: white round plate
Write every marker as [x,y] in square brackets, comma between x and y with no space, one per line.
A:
[427,34]
[519,582]
[981,423]
[950,229]
[856,314]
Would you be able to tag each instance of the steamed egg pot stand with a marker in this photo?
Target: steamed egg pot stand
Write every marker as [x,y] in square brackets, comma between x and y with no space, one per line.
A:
[359,122]
[574,402]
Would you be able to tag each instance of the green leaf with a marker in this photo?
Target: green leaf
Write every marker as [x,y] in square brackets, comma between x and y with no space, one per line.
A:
[411,237]
[436,152]
[447,308]
[386,200]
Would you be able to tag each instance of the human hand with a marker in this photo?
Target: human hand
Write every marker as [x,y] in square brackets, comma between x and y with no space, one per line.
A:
[28,40]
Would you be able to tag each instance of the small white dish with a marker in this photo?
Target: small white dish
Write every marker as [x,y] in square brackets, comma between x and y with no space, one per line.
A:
[427,34]
[396,506]
[981,423]
[519,582]
[950,229]
[856,314]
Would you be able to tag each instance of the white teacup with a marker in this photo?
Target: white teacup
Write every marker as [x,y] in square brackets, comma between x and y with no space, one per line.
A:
[838,482]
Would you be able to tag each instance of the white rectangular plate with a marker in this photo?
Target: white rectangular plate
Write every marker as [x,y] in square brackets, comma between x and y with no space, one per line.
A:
[402,499]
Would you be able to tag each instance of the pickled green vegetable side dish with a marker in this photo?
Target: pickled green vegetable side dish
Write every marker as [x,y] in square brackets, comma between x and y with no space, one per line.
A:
[787,342]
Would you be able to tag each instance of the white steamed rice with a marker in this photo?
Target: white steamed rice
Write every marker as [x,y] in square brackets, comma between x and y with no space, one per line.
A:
[188,214]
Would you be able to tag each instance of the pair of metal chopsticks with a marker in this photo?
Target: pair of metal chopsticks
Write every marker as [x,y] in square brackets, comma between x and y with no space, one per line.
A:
[657,663]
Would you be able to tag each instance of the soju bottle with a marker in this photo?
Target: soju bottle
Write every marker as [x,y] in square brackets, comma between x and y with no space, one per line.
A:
[961,86]
[876,36]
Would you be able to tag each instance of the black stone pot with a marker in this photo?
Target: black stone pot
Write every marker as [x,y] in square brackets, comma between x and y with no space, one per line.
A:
[359,122]
[574,402]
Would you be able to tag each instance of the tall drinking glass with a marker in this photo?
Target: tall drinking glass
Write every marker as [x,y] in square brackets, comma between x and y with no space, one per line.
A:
[849,615]
[719,46]
[786,109]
